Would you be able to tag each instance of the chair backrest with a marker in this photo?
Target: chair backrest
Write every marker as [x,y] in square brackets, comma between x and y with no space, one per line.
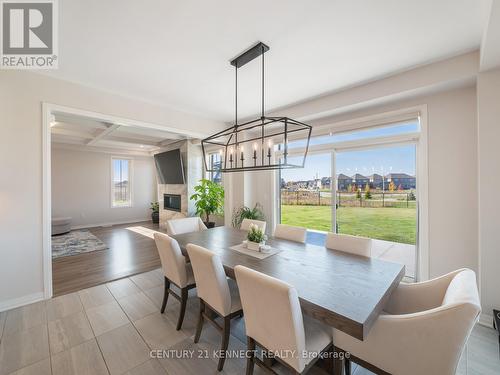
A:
[245,224]
[462,300]
[349,244]
[272,314]
[212,286]
[463,290]
[185,225]
[289,232]
[173,262]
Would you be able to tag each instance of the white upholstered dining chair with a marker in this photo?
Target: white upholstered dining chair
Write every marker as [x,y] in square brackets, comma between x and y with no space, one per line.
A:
[176,271]
[274,322]
[245,224]
[349,244]
[424,330]
[291,233]
[216,292]
[185,225]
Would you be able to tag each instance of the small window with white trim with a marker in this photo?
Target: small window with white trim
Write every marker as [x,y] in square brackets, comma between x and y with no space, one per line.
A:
[121,182]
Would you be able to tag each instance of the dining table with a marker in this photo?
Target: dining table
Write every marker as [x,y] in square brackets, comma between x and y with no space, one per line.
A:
[340,289]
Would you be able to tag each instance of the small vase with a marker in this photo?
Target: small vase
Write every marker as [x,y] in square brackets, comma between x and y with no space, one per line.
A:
[255,246]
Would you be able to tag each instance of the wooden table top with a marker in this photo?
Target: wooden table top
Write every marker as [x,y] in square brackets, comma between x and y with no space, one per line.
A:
[345,291]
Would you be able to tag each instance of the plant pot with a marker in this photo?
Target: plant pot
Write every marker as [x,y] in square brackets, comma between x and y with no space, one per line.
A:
[210,224]
[155,216]
[255,246]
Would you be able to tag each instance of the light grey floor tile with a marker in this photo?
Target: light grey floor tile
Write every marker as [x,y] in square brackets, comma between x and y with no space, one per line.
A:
[25,317]
[210,342]
[190,317]
[158,331]
[123,349]
[122,288]
[137,306]
[3,315]
[62,306]
[69,331]
[151,367]
[96,296]
[106,317]
[83,359]
[156,295]
[39,368]
[148,280]
[23,348]
[188,358]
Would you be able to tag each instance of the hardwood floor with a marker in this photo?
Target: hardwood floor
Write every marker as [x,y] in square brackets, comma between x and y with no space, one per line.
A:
[131,251]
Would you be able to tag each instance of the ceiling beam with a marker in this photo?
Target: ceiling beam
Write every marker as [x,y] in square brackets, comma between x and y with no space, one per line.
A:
[110,129]
[79,120]
[167,142]
[131,141]
[71,133]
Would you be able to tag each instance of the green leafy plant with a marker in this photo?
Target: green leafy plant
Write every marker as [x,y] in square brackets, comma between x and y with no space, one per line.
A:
[411,196]
[368,193]
[155,207]
[209,198]
[256,234]
[245,212]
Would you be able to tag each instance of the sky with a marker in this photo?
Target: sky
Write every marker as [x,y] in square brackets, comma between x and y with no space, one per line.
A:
[379,160]
[116,169]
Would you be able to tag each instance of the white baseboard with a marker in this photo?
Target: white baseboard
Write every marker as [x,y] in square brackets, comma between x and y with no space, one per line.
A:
[109,224]
[486,320]
[21,301]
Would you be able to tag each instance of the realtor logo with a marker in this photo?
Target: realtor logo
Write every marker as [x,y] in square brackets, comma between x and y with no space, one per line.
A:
[29,34]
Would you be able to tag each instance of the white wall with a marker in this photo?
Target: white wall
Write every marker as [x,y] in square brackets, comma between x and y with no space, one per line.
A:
[21,97]
[488,97]
[81,188]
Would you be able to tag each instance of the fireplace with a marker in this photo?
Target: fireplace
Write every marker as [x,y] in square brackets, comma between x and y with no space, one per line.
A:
[172,202]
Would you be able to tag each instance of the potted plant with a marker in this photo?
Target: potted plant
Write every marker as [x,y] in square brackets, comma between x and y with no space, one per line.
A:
[209,199]
[155,212]
[255,237]
[245,212]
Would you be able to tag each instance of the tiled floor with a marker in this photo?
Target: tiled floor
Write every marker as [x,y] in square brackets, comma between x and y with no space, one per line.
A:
[111,329]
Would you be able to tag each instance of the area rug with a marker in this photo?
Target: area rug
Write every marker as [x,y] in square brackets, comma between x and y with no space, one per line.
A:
[75,242]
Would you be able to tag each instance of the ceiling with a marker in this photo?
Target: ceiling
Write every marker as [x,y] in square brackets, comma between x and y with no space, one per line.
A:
[92,134]
[176,53]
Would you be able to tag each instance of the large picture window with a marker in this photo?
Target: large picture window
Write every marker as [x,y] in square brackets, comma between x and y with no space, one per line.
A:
[121,184]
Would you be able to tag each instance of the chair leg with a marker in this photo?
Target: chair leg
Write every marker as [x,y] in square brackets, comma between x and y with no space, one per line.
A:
[250,355]
[184,298]
[199,326]
[165,295]
[225,342]
[347,366]
[337,362]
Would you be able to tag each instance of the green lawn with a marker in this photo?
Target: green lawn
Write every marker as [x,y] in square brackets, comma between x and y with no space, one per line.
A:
[384,223]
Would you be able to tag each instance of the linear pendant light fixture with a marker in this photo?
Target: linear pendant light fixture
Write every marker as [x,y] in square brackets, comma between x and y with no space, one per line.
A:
[260,144]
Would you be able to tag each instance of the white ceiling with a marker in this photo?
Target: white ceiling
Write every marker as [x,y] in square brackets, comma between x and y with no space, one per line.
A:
[176,53]
[92,134]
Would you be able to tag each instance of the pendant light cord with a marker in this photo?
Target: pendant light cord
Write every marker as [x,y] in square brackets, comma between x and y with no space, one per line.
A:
[263,52]
[236,96]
